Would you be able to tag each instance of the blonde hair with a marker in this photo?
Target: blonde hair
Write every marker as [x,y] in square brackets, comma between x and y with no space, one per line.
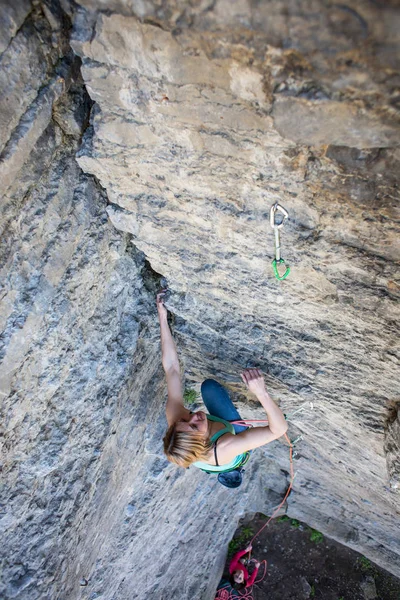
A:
[184,447]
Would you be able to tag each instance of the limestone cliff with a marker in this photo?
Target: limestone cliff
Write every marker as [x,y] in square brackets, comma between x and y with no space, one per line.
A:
[142,139]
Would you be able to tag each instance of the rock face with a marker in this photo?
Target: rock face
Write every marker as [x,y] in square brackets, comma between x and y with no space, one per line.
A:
[202,115]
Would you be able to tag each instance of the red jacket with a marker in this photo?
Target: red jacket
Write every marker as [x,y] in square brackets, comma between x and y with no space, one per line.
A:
[235,565]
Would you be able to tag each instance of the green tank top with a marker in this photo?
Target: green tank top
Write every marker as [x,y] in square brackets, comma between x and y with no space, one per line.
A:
[239,460]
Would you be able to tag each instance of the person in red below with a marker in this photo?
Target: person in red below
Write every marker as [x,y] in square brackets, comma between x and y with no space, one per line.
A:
[240,577]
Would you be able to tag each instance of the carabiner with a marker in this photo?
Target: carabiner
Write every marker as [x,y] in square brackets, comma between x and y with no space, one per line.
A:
[277,208]
[275,264]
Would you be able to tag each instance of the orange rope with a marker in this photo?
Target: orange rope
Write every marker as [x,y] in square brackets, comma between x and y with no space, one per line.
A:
[287,491]
[223,593]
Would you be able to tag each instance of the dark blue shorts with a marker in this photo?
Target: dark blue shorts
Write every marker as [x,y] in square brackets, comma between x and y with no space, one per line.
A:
[218,403]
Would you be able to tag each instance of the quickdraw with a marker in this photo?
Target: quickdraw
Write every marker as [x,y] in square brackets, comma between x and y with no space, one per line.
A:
[276,226]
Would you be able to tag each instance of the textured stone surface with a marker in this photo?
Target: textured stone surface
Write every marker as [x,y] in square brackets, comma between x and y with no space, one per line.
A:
[198,129]
[72,293]
[205,114]
[25,65]
[13,14]
[392,448]
[86,484]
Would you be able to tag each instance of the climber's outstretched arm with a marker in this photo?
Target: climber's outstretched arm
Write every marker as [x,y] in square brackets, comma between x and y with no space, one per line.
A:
[174,408]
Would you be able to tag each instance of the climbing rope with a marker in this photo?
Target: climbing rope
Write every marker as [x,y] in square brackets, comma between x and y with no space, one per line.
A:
[249,422]
[223,593]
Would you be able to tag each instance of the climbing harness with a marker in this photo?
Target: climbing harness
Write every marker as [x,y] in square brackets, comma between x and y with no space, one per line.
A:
[276,225]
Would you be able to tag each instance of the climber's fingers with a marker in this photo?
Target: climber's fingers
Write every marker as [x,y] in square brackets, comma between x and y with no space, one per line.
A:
[251,374]
[162,296]
[161,308]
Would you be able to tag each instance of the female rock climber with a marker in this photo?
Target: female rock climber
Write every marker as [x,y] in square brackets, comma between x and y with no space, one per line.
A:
[209,441]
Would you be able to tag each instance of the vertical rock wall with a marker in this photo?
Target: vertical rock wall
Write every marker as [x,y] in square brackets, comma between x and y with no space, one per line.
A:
[73,306]
[204,114]
[87,496]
